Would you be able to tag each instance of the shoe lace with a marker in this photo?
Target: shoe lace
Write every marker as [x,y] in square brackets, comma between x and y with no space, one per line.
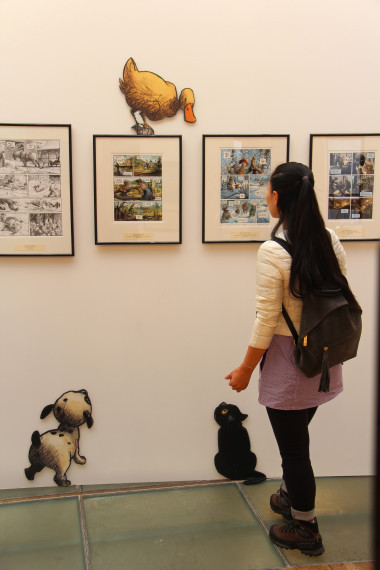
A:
[290,526]
[284,498]
[295,526]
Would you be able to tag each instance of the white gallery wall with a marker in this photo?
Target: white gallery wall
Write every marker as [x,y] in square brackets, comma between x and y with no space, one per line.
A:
[150,331]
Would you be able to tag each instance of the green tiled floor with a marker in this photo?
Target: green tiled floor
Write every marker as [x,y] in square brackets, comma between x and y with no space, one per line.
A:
[221,526]
[41,535]
[343,507]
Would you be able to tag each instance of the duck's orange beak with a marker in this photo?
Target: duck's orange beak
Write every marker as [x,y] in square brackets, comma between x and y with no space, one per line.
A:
[189,115]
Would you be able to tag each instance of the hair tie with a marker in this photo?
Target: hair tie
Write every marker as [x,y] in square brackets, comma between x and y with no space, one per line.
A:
[304,178]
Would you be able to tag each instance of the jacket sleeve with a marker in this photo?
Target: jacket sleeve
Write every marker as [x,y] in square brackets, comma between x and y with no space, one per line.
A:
[269,294]
[339,252]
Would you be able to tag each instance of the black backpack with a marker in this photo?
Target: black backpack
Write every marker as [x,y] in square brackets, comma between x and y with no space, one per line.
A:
[329,334]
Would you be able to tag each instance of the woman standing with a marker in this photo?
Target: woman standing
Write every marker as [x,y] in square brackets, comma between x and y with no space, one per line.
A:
[290,397]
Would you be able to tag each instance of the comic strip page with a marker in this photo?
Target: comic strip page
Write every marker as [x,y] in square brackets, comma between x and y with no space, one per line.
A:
[351,185]
[30,188]
[137,187]
[243,185]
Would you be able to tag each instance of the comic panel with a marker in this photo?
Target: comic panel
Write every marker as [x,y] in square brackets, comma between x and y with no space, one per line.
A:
[341,162]
[9,205]
[245,161]
[130,189]
[30,156]
[30,205]
[122,165]
[13,224]
[339,209]
[258,186]
[41,205]
[362,208]
[42,224]
[147,165]
[263,215]
[137,211]
[244,211]
[44,185]
[13,185]
[340,186]
[365,185]
[231,212]
[234,186]
[364,163]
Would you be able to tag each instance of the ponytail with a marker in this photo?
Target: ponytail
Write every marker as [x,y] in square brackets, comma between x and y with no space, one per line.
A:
[314,263]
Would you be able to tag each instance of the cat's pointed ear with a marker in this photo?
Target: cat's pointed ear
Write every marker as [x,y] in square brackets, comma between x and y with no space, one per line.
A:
[243,417]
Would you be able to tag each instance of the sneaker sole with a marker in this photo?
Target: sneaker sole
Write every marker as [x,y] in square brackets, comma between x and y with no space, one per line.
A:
[304,549]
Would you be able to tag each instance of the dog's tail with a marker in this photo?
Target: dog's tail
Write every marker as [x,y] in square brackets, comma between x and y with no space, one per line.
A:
[36,439]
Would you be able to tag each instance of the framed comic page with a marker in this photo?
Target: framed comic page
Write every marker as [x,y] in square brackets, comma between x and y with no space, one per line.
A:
[138,189]
[236,171]
[36,216]
[347,183]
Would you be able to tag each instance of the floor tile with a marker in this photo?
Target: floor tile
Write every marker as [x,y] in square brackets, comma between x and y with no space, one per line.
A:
[113,486]
[41,535]
[35,492]
[208,528]
[343,507]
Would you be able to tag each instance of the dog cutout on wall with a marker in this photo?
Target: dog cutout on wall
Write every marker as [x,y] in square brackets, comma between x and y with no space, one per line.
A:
[235,460]
[56,448]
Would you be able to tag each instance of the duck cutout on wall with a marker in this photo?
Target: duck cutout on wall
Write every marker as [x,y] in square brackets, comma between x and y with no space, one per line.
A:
[235,460]
[56,448]
[149,95]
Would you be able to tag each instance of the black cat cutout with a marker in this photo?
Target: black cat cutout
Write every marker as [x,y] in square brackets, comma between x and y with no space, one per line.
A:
[235,459]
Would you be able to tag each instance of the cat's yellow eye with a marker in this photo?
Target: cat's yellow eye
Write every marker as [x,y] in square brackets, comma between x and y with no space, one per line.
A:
[225,411]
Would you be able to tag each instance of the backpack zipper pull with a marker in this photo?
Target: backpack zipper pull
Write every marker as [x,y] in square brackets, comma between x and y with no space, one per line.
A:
[324,385]
[305,340]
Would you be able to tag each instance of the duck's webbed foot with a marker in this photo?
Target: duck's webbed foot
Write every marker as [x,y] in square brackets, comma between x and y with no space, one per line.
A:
[143,129]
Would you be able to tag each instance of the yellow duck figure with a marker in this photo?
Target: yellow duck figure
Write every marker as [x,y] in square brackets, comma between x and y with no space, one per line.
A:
[153,97]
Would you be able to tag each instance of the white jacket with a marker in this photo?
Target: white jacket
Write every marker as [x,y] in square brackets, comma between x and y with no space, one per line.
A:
[272,289]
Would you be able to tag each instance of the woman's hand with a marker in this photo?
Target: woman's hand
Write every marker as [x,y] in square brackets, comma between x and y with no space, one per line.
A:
[239,378]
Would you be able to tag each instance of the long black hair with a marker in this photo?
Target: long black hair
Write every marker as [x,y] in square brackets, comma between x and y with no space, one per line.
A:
[314,263]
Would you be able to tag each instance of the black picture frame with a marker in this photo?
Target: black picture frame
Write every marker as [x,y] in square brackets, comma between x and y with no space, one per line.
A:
[36,207]
[346,170]
[236,170]
[137,189]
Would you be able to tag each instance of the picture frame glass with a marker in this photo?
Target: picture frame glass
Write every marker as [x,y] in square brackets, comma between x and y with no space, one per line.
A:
[236,172]
[137,185]
[346,170]
[36,216]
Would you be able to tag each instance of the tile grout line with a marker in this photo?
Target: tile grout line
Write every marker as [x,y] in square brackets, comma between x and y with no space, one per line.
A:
[262,522]
[86,549]
[114,491]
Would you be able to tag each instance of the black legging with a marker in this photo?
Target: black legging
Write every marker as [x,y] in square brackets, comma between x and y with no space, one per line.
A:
[290,428]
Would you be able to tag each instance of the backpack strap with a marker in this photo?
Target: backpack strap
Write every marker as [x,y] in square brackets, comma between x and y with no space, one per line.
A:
[290,324]
[286,245]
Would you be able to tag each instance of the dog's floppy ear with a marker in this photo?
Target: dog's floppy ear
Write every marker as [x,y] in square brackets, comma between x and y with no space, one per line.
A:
[46,411]
[88,419]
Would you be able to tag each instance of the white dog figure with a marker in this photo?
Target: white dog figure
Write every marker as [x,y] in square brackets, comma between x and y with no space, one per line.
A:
[56,448]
